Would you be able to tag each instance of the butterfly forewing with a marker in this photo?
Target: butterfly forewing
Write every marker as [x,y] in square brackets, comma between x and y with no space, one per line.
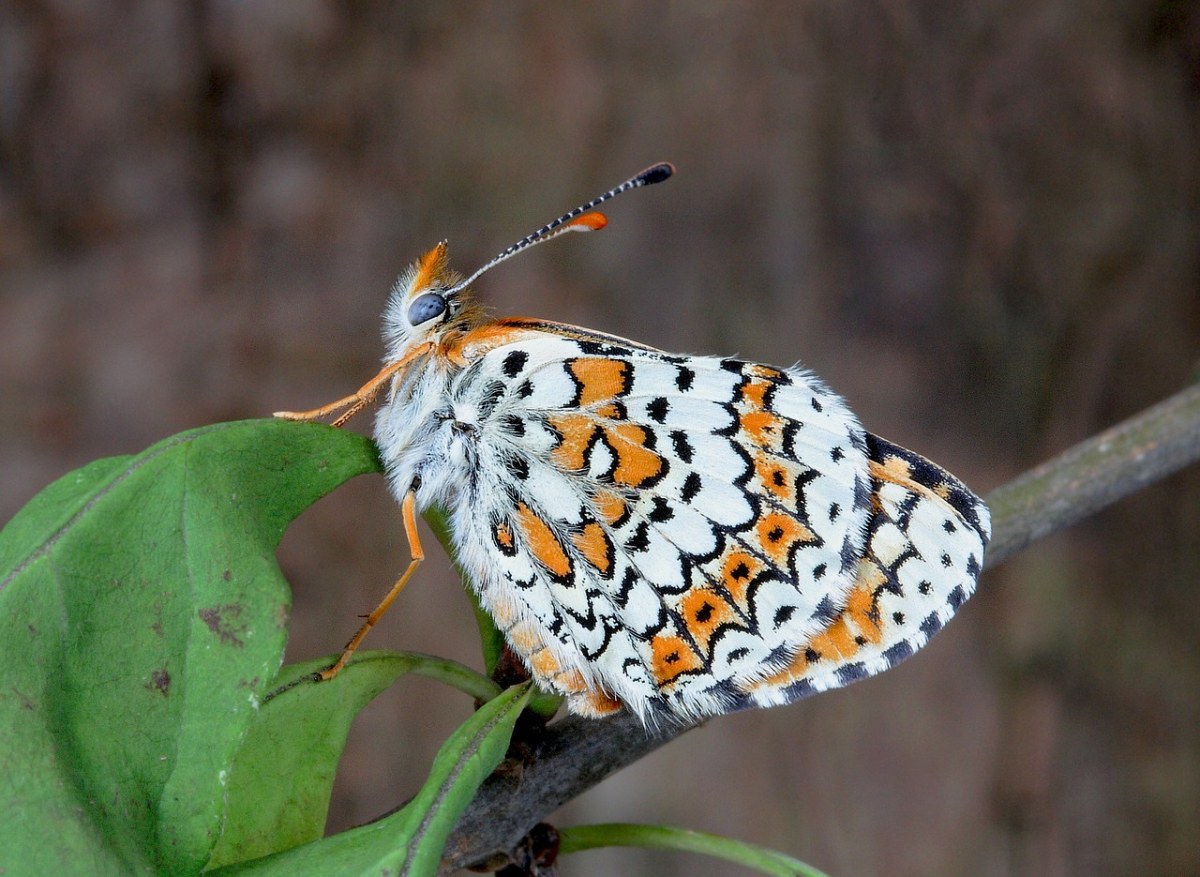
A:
[660,526]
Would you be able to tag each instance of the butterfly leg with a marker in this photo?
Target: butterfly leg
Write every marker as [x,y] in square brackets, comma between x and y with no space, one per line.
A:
[360,398]
[409,508]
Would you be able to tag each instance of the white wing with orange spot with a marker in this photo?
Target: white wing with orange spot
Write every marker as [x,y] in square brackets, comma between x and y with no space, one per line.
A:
[664,530]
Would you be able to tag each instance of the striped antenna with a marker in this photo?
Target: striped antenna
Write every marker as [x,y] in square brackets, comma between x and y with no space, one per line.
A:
[578,219]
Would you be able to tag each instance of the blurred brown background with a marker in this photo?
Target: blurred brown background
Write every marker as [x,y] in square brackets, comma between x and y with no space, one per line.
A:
[977,221]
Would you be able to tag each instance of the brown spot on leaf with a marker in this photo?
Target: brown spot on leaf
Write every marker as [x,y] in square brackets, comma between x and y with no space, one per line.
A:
[160,681]
[222,620]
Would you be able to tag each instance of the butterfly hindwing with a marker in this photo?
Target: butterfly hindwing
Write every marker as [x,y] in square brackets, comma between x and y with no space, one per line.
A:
[923,556]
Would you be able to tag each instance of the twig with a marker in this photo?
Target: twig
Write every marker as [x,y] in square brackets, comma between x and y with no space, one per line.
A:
[1095,473]
[575,754]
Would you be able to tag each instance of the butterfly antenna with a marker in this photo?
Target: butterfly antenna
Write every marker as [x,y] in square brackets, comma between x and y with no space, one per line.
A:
[578,219]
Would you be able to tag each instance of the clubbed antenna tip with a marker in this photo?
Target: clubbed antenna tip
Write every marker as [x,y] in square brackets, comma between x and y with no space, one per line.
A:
[575,220]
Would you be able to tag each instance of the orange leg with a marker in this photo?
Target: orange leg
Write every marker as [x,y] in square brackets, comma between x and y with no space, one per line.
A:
[360,398]
[409,508]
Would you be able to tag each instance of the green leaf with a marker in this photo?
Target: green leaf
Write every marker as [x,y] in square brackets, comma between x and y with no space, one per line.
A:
[410,841]
[281,782]
[142,615]
[664,837]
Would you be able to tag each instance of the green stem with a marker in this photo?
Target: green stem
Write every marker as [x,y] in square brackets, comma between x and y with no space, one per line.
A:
[665,837]
[455,675]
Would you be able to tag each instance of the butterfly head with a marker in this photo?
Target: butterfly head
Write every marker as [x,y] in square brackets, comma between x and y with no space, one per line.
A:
[430,301]
[426,302]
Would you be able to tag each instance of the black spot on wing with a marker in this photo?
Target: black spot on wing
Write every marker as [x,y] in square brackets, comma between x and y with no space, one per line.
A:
[640,538]
[931,625]
[492,395]
[852,673]
[898,652]
[514,363]
[799,689]
[683,447]
[518,467]
[826,611]
[512,425]
[603,348]
[662,510]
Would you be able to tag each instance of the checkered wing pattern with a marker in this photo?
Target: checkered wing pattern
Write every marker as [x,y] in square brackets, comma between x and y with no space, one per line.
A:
[687,533]
[923,555]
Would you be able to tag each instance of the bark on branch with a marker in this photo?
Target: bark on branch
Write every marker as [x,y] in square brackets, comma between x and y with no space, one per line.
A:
[575,754]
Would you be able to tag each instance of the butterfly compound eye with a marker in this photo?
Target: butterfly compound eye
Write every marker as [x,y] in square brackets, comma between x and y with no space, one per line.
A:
[425,308]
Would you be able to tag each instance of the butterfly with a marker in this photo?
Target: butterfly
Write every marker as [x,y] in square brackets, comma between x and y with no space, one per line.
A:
[677,535]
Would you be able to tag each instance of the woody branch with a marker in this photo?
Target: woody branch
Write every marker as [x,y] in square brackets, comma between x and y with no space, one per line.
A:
[576,754]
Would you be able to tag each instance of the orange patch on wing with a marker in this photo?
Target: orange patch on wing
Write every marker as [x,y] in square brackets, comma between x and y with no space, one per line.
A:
[544,665]
[611,411]
[465,347]
[504,536]
[794,669]
[636,464]
[860,605]
[837,641]
[765,371]
[569,681]
[777,478]
[595,704]
[594,544]
[600,379]
[755,392]
[895,470]
[777,533]
[577,431]
[542,542]
[762,427]
[703,612]
[504,613]
[524,638]
[610,507]
[671,657]
[738,569]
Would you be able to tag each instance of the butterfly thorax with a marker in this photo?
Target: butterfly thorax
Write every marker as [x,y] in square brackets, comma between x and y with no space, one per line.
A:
[424,437]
